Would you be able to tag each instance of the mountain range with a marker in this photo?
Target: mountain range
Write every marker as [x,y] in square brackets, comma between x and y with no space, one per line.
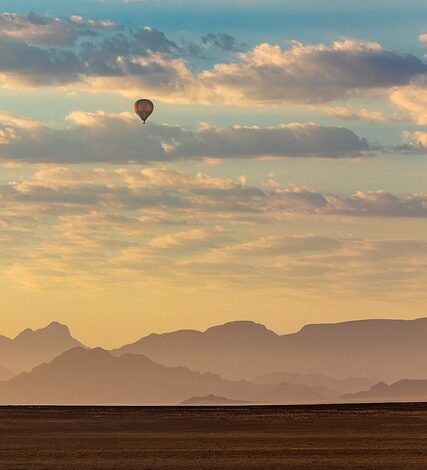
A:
[94,376]
[5,374]
[237,362]
[213,400]
[388,349]
[403,390]
[32,347]
[318,381]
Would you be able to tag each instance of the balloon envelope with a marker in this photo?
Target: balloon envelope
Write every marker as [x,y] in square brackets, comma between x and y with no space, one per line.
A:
[144,108]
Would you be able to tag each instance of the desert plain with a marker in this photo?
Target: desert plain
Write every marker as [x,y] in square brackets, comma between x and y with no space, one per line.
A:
[365,436]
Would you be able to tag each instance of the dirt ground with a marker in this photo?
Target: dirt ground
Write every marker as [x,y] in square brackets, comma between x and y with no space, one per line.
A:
[302,437]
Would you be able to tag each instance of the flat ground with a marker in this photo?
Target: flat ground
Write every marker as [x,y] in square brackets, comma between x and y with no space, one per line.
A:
[301,437]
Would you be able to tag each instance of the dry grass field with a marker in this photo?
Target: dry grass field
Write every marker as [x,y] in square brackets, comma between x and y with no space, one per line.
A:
[299,437]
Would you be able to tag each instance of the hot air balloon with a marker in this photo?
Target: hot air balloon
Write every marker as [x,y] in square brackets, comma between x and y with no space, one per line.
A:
[144,108]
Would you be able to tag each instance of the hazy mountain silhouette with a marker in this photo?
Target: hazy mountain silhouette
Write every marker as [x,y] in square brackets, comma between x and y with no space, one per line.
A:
[82,376]
[403,390]
[213,400]
[389,349]
[6,374]
[32,347]
[234,350]
[318,381]
[294,392]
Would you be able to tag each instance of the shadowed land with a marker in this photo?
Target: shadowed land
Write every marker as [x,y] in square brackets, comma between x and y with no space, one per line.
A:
[392,436]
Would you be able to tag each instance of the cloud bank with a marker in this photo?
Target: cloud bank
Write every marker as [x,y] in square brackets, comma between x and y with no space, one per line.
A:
[92,227]
[99,137]
[100,56]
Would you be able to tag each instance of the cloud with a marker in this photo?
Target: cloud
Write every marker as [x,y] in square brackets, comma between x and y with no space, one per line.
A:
[101,24]
[311,74]
[35,29]
[379,203]
[61,189]
[347,113]
[278,245]
[222,41]
[9,119]
[56,225]
[91,137]
[126,54]
[287,140]
[48,30]
[25,64]
[44,51]
[172,179]
[190,240]
[99,137]
[307,264]
[412,99]
[415,142]
[302,74]
[88,227]
[334,267]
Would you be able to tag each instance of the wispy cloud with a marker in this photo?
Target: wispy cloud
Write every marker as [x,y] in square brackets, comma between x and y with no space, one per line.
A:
[89,228]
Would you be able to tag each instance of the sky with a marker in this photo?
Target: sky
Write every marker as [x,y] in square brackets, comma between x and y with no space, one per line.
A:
[281,178]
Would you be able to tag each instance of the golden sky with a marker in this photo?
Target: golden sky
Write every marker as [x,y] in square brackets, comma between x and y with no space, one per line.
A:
[281,178]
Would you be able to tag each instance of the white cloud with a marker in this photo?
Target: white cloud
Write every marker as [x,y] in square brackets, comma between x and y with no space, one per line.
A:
[311,74]
[415,141]
[412,99]
[9,119]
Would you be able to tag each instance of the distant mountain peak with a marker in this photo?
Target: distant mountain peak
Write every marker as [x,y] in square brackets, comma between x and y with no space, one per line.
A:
[240,324]
[214,400]
[53,328]
[387,349]
[81,350]
[244,326]
[33,347]
[402,390]
[359,324]
[57,325]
